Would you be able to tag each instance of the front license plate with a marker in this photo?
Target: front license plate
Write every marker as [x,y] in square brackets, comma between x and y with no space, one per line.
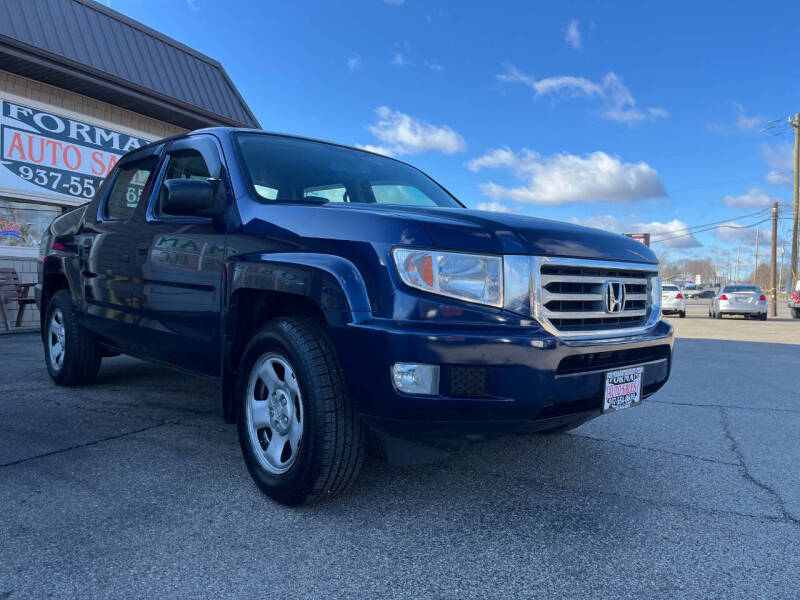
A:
[623,389]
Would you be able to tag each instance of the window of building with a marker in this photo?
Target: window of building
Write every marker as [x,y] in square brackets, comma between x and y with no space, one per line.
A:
[22,225]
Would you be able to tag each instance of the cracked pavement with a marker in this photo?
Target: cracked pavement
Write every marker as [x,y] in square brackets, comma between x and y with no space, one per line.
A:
[134,487]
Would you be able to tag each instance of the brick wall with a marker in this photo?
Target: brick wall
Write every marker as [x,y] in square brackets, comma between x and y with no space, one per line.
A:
[89,108]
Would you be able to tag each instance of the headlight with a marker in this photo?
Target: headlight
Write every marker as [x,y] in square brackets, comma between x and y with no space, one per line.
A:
[471,277]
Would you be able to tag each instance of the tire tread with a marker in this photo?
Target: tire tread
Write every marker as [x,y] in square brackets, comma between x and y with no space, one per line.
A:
[82,353]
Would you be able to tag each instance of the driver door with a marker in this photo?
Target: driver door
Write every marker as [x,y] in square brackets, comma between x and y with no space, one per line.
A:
[178,283]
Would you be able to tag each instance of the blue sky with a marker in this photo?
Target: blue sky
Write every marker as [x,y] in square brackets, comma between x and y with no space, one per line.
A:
[627,115]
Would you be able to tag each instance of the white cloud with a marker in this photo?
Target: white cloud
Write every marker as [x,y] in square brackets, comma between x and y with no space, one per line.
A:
[780,159]
[675,233]
[193,4]
[400,60]
[574,86]
[621,105]
[736,233]
[778,178]
[567,178]
[618,102]
[743,121]
[493,207]
[354,63]
[572,34]
[753,198]
[400,133]
[434,66]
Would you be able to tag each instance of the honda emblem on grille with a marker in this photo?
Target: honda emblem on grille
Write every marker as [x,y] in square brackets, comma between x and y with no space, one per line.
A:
[614,296]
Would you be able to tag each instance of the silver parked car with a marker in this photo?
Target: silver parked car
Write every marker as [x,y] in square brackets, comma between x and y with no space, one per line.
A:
[672,300]
[746,300]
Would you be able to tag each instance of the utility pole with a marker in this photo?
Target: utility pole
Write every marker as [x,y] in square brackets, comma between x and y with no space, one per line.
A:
[738,256]
[773,284]
[795,123]
[755,268]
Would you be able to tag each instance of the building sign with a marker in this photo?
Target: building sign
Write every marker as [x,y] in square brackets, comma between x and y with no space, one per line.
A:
[644,238]
[56,155]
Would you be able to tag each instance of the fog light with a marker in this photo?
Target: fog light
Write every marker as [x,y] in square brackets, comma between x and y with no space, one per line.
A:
[414,378]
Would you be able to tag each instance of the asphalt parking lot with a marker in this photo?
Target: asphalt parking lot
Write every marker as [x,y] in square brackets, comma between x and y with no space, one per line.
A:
[133,487]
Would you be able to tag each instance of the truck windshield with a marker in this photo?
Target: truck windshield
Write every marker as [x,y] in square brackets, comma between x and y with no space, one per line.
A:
[284,169]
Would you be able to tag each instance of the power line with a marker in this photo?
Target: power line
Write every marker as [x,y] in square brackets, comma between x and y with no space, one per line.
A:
[757,213]
[691,233]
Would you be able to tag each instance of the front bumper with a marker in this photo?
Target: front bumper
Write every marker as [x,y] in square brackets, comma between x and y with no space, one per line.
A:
[535,380]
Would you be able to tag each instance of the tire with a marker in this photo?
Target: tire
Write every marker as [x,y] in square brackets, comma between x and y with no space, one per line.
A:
[717,315]
[796,313]
[764,317]
[682,314]
[312,443]
[71,353]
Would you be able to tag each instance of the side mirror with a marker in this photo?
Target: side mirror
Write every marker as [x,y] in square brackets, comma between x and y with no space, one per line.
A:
[191,198]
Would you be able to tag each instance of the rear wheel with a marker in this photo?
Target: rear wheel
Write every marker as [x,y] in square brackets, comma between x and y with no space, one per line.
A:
[72,355]
[300,434]
[796,313]
[718,315]
[682,314]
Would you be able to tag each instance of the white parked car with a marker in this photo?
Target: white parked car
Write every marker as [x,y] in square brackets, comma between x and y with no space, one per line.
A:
[672,300]
[746,300]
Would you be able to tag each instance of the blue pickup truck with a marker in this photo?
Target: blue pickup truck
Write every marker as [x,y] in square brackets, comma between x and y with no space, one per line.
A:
[333,292]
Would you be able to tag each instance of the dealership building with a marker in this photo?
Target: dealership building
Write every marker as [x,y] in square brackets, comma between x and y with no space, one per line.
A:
[80,85]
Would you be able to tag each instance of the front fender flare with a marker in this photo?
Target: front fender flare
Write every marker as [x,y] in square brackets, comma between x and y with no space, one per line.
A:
[332,282]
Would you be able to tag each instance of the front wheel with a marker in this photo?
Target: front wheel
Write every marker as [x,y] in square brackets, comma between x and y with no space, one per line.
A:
[682,314]
[301,437]
[71,352]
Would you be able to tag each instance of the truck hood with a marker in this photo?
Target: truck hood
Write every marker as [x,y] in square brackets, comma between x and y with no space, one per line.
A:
[503,233]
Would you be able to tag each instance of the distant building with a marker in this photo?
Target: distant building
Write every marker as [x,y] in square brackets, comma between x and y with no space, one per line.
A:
[80,84]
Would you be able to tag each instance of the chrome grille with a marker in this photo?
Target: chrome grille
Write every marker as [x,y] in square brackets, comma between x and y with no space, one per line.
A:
[585,297]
